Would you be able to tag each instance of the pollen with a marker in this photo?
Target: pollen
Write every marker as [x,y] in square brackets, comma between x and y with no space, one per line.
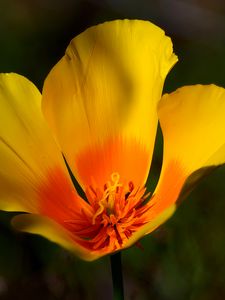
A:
[117,211]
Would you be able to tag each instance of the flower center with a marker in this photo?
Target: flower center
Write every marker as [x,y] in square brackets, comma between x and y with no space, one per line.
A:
[117,211]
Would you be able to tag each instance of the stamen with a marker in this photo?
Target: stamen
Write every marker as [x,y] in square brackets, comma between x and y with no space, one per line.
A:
[117,210]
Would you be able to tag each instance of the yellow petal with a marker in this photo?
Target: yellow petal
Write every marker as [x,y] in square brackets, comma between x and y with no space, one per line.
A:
[28,152]
[193,126]
[51,230]
[100,99]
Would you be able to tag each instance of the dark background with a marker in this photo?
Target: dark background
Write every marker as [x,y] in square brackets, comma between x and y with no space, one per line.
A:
[185,258]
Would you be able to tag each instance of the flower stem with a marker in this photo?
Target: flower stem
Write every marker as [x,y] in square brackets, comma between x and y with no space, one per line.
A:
[117,276]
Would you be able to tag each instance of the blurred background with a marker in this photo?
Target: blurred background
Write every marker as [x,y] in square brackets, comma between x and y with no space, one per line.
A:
[185,258]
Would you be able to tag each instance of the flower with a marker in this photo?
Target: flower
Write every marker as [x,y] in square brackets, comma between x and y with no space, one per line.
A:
[98,115]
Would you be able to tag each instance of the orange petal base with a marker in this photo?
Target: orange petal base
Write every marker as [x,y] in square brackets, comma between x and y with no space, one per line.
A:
[128,157]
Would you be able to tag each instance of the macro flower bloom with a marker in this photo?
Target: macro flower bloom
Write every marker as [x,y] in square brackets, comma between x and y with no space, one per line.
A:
[98,115]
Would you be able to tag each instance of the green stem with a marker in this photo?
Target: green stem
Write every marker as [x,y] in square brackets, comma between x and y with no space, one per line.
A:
[117,276]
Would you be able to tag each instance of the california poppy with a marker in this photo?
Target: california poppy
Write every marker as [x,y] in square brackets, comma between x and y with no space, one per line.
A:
[98,114]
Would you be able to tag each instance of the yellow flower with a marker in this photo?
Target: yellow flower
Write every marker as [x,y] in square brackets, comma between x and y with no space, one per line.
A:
[100,103]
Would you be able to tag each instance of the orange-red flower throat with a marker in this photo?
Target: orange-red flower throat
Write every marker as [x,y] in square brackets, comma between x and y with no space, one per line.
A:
[113,213]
